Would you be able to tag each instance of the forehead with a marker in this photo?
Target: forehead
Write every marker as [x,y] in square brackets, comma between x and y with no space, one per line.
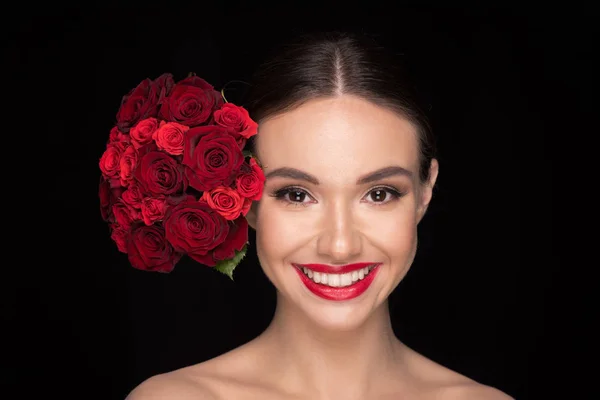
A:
[338,136]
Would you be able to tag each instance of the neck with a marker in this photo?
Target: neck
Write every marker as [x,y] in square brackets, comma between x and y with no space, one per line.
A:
[327,364]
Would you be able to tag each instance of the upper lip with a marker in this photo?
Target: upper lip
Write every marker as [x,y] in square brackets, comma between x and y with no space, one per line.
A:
[335,269]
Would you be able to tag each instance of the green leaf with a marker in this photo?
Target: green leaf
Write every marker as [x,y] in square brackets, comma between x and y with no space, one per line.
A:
[227,266]
[247,153]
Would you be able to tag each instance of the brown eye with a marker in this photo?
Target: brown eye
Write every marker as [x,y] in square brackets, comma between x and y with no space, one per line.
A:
[291,195]
[378,195]
[297,196]
[382,196]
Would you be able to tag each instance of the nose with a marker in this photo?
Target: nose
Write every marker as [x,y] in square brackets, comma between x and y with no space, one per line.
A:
[340,240]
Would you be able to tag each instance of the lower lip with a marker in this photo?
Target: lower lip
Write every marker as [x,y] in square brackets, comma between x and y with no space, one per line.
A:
[339,293]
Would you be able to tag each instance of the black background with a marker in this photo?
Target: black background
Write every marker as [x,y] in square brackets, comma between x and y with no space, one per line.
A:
[498,291]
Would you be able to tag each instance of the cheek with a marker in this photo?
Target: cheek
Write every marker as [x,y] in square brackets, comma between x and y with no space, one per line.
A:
[280,232]
[393,232]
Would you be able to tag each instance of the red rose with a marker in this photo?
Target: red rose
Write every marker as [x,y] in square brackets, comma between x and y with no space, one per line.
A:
[142,132]
[250,181]
[108,196]
[159,174]
[116,135]
[145,149]
[236,119]
[110,161]
[165,84]
[149,250]
[124,214]
[196,81]
[246,206]
[224,200]
[240,140]
[128,162]
[133,195]
[153,209]
[212,156]
[143,101]
[236,240]
[191,102]
[169,137]
[194,228]
[120,236]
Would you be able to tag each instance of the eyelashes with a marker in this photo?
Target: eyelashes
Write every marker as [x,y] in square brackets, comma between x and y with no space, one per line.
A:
[297,196]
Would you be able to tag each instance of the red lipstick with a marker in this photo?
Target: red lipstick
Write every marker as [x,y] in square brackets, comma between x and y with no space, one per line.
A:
[337,293]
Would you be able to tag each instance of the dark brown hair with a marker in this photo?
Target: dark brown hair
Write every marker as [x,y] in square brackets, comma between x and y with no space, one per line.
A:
[331,64]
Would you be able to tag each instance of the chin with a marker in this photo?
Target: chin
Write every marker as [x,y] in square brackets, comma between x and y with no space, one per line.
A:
[340,317]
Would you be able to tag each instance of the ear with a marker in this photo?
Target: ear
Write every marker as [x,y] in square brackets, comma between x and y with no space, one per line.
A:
[426,190]
[251,215]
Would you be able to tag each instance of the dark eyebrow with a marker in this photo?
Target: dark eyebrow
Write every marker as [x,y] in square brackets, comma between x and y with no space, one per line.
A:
[383,173]
[293,173]
[386,172]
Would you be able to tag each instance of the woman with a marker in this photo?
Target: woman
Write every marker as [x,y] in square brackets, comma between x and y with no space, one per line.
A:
[350,168]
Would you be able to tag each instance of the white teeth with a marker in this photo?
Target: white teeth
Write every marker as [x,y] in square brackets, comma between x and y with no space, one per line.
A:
[346,279]
[338,280]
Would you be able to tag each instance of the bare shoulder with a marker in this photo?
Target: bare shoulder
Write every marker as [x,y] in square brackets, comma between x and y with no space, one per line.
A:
[473,391]
[212,379]
[442,383]
[176,385]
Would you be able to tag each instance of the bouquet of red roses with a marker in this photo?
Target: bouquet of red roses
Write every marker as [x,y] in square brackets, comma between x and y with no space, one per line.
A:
[175,179]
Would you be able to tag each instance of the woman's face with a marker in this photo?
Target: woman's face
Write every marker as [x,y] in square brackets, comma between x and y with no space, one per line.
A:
[342,188]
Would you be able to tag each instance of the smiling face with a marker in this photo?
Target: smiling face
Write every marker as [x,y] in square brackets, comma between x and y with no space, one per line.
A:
[342,187]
